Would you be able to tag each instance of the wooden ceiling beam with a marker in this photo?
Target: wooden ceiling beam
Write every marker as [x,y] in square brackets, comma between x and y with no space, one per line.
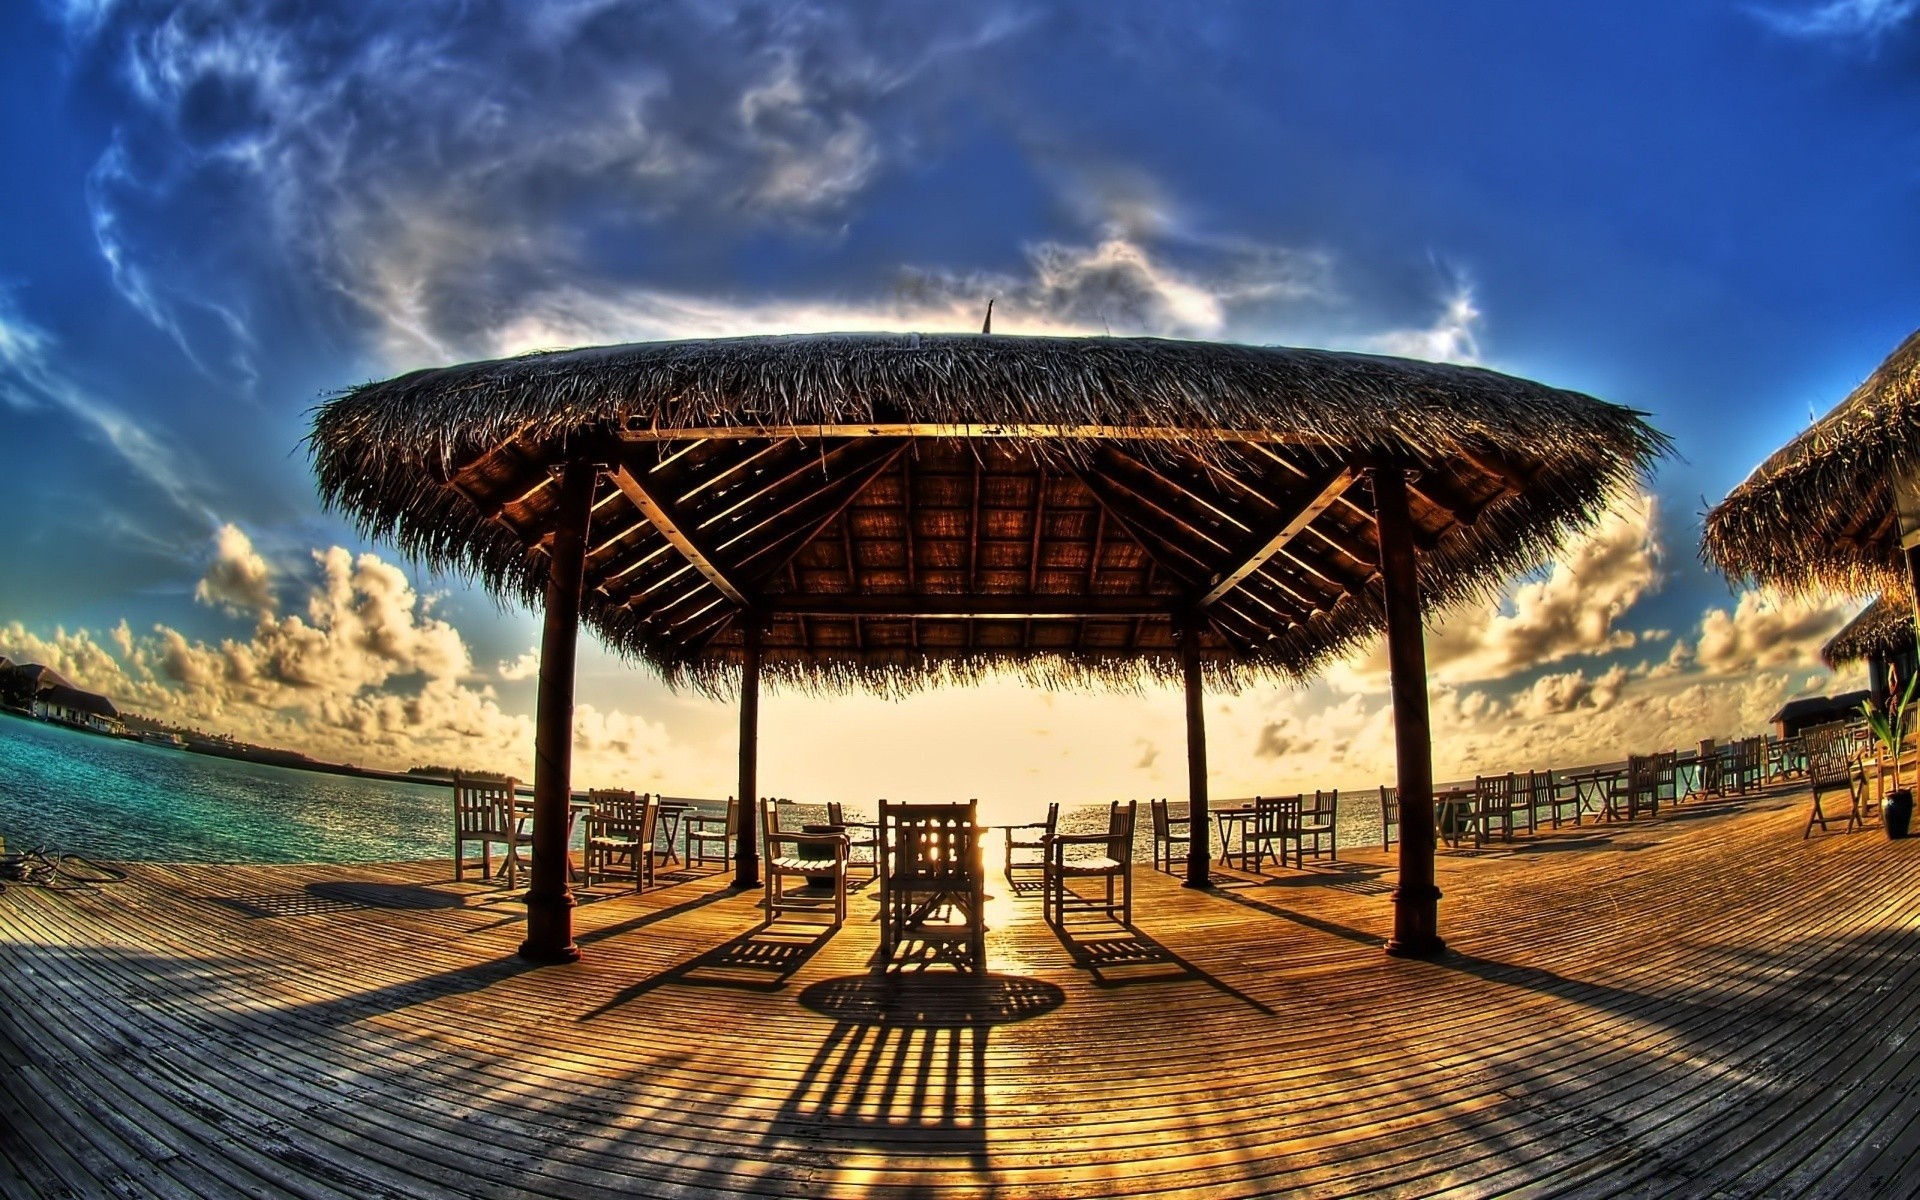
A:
[1269,541]
[906,607]
[684,539]
[964,432]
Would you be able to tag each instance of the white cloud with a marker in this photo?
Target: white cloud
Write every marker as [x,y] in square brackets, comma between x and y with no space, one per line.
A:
[30,378]
[238,579]
[1862,20]
[1453,336]
[526,666]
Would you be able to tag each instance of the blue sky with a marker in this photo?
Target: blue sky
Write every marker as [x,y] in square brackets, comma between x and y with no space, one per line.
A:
[218,213]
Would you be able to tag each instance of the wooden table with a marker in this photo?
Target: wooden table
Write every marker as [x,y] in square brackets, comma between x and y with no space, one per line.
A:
[1457,804]
[1594,789]
[1226,819]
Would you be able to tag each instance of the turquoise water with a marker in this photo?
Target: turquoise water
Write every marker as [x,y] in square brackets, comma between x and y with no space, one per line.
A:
[113,799]
[109,798]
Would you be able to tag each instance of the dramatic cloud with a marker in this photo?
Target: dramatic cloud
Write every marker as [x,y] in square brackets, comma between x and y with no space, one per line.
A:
[238,579]
[1118,285]
[1765,632]
[1453,337]
[426,162]
[364,675]
[1575,611]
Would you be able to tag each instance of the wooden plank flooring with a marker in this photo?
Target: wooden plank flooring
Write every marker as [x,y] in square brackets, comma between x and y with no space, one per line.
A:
[1702,1005]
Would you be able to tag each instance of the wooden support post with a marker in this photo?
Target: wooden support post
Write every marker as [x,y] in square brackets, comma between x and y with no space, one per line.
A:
[1199,844]
[746,838]
[549,898]
[1416,901]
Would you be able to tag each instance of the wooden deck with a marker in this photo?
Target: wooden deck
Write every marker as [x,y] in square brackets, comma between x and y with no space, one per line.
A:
[1700,1005]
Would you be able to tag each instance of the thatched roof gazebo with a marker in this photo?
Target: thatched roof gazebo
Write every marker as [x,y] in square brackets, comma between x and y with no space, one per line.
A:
[1880,635]
[1822,513]
[895,511]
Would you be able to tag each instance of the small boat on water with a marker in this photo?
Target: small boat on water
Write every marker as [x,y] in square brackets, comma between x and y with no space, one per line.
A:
[154,737]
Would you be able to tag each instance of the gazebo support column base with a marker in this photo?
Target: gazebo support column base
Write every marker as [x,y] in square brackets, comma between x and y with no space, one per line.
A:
[1414,921]
[550,930]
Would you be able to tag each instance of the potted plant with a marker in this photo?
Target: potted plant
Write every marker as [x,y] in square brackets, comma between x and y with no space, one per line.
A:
[1890,729]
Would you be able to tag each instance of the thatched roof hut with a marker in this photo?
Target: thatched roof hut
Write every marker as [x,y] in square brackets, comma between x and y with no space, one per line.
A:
[889,511]
[1818,515]
[1089,487]
[1883,629]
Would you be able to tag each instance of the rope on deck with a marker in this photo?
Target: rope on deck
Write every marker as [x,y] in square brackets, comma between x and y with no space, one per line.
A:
[55,871]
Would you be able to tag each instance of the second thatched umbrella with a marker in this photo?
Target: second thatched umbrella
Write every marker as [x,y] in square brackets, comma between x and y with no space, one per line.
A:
[887,512]
[1821,514]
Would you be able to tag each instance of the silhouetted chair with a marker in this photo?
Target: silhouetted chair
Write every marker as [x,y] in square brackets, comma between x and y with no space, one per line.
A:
[802,855]
[1169,831]
[932,890]
[482,813]
[1318,822]
[1830,769]
[1030,838]
[706,831]
[1114,864]
[861,835]
[1275,826]
[1496,808]
[1389,815]
[620,827]
[1651,778]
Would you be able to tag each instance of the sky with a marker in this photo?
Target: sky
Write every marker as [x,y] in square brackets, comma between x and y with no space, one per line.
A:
[218,213]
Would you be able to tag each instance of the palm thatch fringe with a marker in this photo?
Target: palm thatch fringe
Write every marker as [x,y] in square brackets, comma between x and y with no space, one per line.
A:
[1817,515]
[386,455]
[1882,629]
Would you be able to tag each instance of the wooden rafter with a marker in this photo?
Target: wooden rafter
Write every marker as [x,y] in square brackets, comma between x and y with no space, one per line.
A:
[854,483]
[1265,543]
[684,538]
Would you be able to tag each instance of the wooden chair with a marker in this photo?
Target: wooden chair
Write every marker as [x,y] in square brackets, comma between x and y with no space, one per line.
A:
[1550,794]
[1275,826]
[861,835]
[1493,808]
[705,830]
[1029,838]
[620,826]
[786,860]
[1389,815]
[1642,785]
[1317,827]
[1831,768]
[1169,831]
[481,814]
[1114,863]
[932,886]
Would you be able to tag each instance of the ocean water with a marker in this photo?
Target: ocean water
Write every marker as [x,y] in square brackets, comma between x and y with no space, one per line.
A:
[109,798]
[114,799]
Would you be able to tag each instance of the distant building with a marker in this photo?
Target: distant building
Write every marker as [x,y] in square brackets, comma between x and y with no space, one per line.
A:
[1809,711]
[51,696]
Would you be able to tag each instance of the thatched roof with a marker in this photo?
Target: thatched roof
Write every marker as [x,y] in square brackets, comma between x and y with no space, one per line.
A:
[914,509]
[1818,515]
[1883,628]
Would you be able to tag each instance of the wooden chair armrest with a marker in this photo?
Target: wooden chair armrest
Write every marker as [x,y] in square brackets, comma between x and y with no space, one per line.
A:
[1079,839]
